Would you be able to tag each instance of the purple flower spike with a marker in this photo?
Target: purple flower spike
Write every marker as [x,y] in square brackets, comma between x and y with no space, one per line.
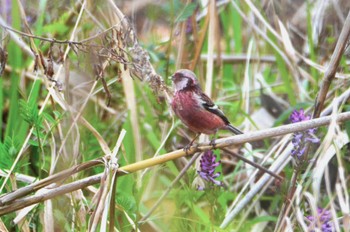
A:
[300,138]
[299,116]
[207,168]
[321,221]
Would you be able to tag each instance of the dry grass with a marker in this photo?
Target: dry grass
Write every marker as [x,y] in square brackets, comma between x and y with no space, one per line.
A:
[94,116]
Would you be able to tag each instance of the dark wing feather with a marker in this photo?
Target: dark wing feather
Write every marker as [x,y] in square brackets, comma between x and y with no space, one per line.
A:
[209,105]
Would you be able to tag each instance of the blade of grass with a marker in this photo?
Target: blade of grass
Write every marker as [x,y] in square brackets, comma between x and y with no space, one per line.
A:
[237,29]
[15,61]
[130,97]
[310,41]
[287,80]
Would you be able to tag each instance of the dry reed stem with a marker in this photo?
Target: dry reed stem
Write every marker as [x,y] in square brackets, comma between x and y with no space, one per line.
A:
[199,44]
[332,67]
[240,58]
[319,104]
[9,197]
[224,142]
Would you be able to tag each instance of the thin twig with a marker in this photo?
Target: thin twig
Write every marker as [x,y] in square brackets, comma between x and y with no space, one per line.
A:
[7,198]
[220,143]
[199,43]
[49,194]
[19,177]
[332,67]
[239,58]
[253,164]
[50,40]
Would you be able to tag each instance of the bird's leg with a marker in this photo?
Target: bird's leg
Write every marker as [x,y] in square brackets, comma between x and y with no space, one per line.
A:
[188,146]
[212,142]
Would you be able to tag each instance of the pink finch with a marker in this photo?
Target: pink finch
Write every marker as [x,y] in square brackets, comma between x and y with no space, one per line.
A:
[194,108]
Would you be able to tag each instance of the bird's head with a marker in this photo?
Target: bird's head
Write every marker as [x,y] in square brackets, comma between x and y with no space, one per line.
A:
[184,79]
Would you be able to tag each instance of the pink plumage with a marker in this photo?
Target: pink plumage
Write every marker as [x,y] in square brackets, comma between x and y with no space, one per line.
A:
[194,116]
[194,108]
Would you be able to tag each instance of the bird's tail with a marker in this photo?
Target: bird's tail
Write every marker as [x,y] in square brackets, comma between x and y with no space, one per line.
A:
[234,129]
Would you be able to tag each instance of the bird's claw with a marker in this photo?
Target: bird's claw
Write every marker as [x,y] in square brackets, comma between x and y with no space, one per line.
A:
[212,143]
[187,148]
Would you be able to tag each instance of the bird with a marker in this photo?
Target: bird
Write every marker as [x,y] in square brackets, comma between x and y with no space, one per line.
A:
[195,109]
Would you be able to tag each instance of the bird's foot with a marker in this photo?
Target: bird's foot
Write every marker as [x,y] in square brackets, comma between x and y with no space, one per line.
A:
[187,148]
[213,143]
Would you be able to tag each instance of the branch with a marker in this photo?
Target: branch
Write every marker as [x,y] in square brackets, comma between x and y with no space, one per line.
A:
[7,198]
[332,67]
[239,58]
[53,40]
[51,193]
[220,143]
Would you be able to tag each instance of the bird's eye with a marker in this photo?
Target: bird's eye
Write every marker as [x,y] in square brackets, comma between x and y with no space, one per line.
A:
[179,75]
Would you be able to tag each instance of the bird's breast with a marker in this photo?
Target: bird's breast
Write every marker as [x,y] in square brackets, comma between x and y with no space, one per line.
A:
[191,112]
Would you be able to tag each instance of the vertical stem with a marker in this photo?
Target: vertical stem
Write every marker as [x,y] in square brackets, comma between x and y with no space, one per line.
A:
[332,67]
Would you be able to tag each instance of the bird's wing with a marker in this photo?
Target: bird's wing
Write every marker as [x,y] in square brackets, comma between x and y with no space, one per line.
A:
[209,105]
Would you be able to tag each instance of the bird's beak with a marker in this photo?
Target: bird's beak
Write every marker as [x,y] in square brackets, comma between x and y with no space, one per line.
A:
[172,77]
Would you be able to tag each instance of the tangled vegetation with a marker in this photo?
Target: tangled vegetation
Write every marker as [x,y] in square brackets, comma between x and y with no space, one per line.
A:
[89,142]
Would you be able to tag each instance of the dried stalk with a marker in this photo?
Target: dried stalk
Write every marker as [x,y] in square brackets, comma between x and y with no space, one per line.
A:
[319,104]
[332,67]
[220,143]
[7,198]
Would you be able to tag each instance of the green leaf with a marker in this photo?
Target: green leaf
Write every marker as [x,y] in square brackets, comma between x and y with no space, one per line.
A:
[30,113]
[49,118]
[8,151]
[201,214]
[34,143]
[263,219]
[186,12]
[127,202]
